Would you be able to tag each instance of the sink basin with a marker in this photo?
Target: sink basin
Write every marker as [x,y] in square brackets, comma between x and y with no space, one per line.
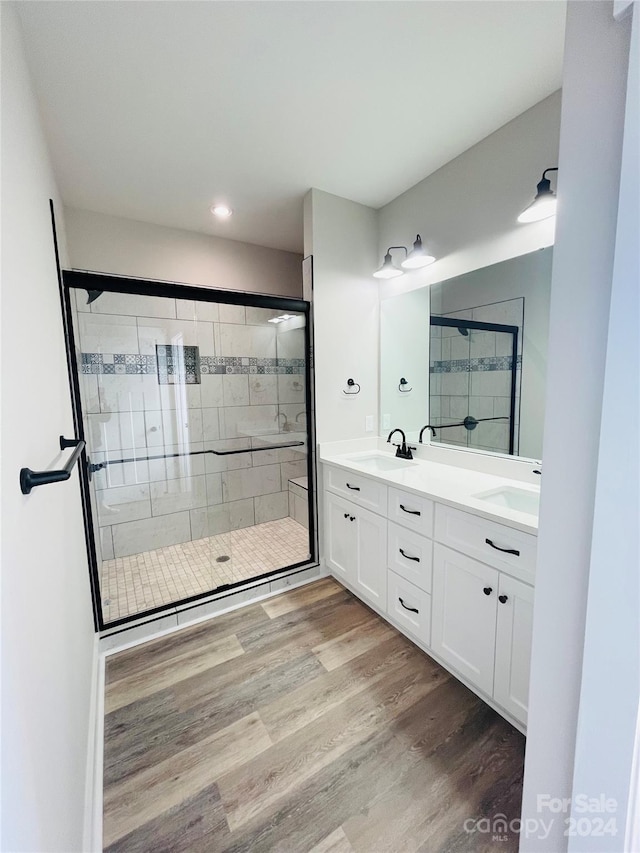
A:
[380,462]
[511,497]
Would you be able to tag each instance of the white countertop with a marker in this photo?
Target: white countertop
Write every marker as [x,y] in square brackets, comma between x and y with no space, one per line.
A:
[447,484]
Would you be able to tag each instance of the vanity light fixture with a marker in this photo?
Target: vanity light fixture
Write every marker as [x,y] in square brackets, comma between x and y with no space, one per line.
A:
[544,204]
[415,259]
[418,257]
[388,268]
[221,211]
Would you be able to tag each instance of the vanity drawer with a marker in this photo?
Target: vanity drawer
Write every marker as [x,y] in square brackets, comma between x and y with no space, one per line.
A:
[411,511]
[409,607]
[410,556]
[488,541]
[367,493]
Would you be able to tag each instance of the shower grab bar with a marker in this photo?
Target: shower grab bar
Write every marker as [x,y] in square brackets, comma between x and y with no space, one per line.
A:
[469,422]
[98,466]
[30,479]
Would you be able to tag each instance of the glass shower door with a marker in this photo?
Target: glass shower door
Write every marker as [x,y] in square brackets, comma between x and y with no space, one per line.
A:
[195,414]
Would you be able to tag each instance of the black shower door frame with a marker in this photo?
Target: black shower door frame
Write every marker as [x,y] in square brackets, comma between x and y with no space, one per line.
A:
[89,281]
[491,327]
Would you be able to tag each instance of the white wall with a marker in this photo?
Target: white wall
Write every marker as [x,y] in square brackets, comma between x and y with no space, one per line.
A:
[346,313]
[404,353]
[611,671]
[112,244]
[466,211]
[593,107]
[47,627]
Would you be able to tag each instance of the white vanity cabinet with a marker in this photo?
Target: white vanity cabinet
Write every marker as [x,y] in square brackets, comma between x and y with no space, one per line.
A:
[457,583]
[488,541]
[356,548]
[410,561]
[482,626]
[465,597]
[513,647]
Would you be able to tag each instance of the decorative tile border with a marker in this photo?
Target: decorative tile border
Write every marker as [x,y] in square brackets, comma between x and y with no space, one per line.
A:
[116,363]
[178,365]
[467,365]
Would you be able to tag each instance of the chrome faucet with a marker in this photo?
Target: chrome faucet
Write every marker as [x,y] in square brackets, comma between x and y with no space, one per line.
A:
[402,451]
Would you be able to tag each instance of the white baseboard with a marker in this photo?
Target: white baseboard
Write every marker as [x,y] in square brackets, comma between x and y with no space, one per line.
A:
[92,832]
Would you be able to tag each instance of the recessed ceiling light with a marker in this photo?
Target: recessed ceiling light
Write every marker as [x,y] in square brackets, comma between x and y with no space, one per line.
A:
[221,211]
[281,318]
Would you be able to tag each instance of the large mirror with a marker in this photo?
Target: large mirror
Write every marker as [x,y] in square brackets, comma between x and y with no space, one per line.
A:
[467,358]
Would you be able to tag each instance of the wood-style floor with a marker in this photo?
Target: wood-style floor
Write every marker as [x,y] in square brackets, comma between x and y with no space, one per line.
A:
[304,723]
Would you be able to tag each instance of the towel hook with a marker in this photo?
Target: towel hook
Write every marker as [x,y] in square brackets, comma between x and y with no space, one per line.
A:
[351,383]
[403,390]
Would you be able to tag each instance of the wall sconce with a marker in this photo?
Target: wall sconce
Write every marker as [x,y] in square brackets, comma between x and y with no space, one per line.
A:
[544,204]
[415,259]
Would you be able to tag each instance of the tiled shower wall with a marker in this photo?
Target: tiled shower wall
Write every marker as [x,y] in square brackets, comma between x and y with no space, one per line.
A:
[472,376]
[245,389]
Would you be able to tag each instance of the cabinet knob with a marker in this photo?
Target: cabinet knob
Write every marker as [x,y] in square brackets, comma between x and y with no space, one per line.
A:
[503,599]
[488,590]
[346,515]
[352,518]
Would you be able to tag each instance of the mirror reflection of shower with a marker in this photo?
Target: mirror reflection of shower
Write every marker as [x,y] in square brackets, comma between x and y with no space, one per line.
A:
[473,384]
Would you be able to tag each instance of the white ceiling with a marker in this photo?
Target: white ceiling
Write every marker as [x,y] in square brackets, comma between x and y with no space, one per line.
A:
[154,110]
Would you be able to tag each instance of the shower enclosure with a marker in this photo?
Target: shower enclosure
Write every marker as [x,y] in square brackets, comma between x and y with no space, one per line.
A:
[474,380]
[195,406]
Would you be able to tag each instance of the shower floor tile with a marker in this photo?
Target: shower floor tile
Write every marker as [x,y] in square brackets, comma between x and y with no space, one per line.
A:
[151,579]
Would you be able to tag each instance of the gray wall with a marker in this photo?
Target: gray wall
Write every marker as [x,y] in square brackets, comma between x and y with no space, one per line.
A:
[113,244]
[466,211]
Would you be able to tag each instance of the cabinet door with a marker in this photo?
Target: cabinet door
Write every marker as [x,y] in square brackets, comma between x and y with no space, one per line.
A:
[463,617]
[341,552]
[513,647]
[371,564]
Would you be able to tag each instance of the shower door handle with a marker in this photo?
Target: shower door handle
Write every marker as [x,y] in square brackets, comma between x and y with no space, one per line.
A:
[98,466]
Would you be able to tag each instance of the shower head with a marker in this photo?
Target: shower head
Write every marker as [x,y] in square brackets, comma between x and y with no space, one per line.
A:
[93,295]
[463,331]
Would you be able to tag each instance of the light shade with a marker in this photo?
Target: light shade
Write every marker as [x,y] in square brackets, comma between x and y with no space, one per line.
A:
[221,211]
[388,269]
[417,257]
[544,204]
